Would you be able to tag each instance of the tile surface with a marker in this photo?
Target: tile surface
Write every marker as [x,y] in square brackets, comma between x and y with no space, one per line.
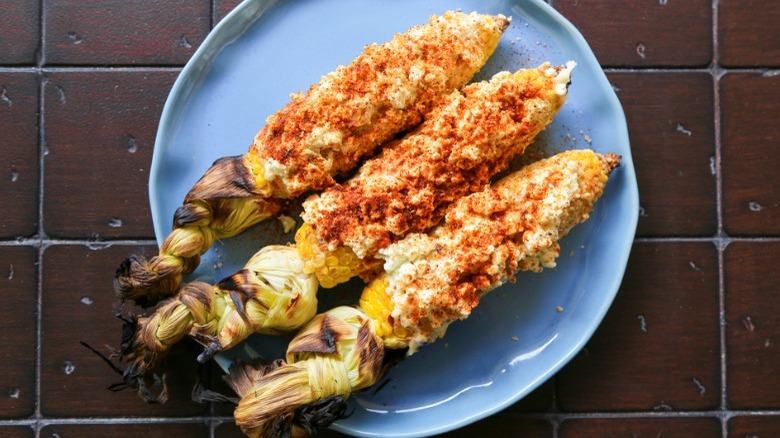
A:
[748,33]
[19,283]
[642,427]
[223,7]
[671,129]
[16,432]
[754,426]
[751,153]
[126,430]
[124,32]
[20,38]
[665,322]
[100,130]
[651,33]
[77,281]
[753,325]
[19,165]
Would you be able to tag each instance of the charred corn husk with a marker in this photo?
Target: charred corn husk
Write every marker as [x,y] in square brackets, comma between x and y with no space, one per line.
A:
[274,296]
[334,355]
[318,135]
[430,280]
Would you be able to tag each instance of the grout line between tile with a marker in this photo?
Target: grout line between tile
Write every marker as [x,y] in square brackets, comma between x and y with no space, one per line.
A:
[722,239]
[40,62]
[41,241]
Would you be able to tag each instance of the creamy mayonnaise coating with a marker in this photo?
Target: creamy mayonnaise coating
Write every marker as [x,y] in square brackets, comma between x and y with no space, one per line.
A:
[354,109]
[466,139]
[436,278]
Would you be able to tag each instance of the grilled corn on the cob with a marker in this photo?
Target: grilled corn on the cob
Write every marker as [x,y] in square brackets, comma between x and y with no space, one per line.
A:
[429,281]
[319,134]
[467,139]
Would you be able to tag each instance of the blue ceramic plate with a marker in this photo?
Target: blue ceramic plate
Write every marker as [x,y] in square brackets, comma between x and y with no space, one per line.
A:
[265,50]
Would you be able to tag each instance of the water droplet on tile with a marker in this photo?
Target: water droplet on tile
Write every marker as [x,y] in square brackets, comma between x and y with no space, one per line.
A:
[755,206]
[15,393]
[748,323]
[60,94]
[75,38]
[14,176]
[95,244]
[87,301]
[640,50]
[115,222]
[694,266]
[70,367]
[642,323]
[699,385]
[680,128]
[183,42]
[4,97]
[132,144]
[11,271]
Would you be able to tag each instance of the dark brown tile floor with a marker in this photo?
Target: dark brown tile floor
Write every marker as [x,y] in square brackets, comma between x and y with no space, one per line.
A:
[690,347]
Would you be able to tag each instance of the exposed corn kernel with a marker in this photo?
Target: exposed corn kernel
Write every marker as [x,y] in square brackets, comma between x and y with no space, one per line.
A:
[330,267]
[253,163]
[376,304]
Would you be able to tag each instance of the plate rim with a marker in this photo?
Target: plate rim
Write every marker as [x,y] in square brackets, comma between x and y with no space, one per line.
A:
[243,15]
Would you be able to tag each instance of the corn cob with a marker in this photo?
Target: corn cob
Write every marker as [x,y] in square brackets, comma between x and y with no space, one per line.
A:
[430,280]
[469,137]
[453,153]
[318,135]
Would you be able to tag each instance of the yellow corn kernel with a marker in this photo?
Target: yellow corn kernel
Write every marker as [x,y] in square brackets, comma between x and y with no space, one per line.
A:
[490,37]
[330,267]
[376,304]
[255,165]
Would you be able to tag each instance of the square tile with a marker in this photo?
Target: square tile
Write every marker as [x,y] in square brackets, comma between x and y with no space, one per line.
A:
[658,348]
[748,33]
[754,426]
[642,427]
[21,37]
[671,129]
[752,324]
[100,130]
[750,136]
[19,171]
[154,430]
[651,33]
[124,32]
[19,283]
[79,305]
